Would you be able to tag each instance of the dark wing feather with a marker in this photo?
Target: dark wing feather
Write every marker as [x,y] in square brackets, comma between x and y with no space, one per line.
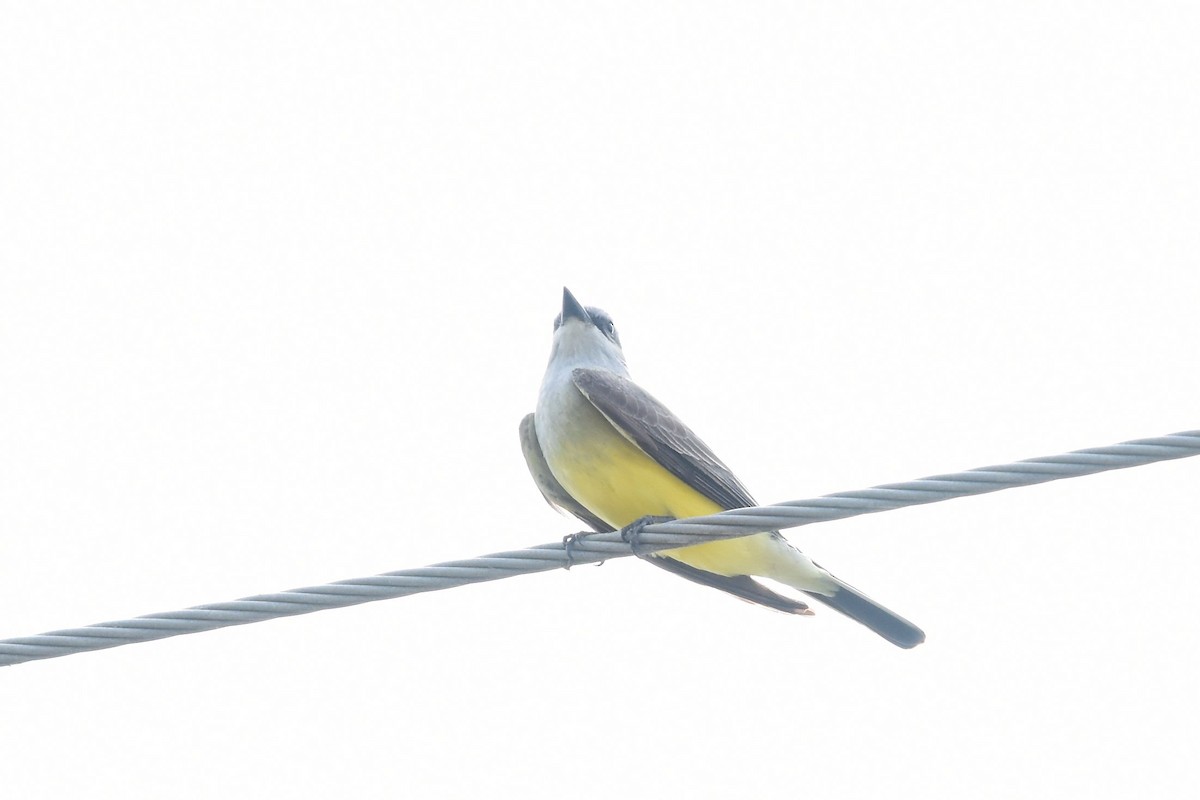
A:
[651,426]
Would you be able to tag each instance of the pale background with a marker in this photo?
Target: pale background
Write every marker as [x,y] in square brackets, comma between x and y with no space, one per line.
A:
[277,285]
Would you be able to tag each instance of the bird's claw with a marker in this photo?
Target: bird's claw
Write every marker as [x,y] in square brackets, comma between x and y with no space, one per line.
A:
[569,542]
[632,532]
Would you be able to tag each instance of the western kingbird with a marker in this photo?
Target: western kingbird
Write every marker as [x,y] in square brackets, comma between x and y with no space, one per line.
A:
[602,448]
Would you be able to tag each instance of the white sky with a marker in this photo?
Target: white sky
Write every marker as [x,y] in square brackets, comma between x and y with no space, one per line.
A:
[276,286]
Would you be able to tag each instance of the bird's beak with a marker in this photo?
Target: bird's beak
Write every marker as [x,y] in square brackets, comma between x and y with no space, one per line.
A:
[572,308]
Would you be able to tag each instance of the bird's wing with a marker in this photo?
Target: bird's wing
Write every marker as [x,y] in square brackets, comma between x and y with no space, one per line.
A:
[661,435]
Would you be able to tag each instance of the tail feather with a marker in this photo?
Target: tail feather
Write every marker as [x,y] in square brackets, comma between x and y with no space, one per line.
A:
[862,609]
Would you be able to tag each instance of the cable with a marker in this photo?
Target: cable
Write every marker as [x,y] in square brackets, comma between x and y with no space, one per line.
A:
[593,547]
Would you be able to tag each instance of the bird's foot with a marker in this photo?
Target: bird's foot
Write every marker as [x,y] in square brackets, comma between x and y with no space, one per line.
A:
[569,542]
[632,533]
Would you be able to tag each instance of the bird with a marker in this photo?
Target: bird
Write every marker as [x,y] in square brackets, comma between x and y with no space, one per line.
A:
[602,448]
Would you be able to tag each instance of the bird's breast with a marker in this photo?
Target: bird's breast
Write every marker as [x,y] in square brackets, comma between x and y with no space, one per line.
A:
[608,474]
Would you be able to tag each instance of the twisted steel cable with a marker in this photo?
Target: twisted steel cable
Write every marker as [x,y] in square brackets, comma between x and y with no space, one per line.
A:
[593,547]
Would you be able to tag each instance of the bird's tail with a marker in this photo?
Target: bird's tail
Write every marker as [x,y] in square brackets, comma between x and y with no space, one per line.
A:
[862,609]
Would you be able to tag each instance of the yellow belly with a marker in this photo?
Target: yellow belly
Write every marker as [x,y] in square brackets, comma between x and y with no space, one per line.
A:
[619,483]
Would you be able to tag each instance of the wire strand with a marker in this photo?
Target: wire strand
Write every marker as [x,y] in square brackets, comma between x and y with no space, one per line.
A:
[594,547]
